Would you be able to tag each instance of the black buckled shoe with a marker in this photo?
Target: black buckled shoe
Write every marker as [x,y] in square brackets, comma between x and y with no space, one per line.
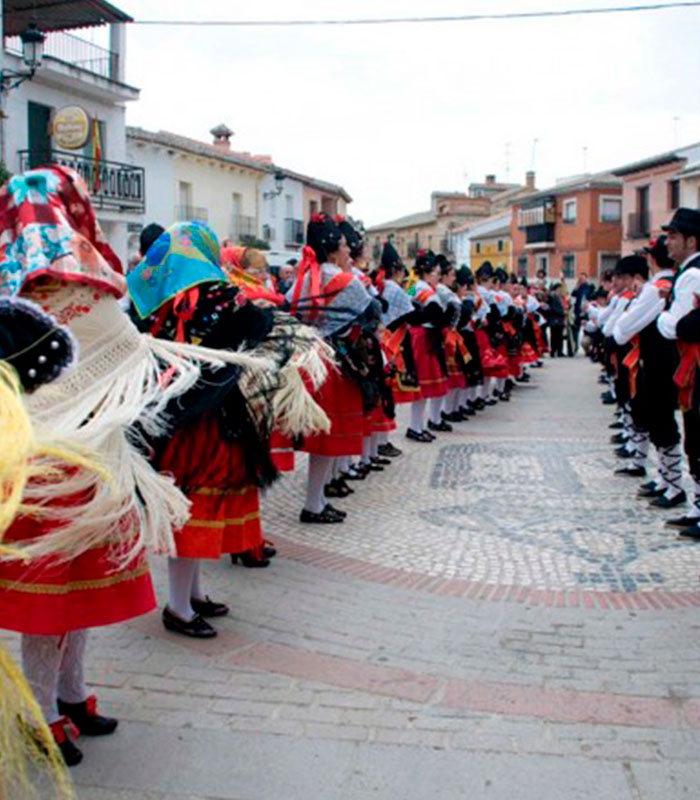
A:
[682,522]
[250,559]
[491,402]
[383,462]
[623,452]
[208,608]
[619,438]
[326,517]
[86,719]
[348,490]
[616,426]
[664,502]
[71,754]
[389,451]
[691,532]
[650,490]
[479,404]
[505,398]
[631,472]
[196,628]
[441,427]
[333,510]
[423,436]
[467,411]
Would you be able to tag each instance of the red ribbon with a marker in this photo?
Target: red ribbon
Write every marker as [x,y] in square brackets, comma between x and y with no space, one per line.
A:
[685,374]
[309,265]
[631,361]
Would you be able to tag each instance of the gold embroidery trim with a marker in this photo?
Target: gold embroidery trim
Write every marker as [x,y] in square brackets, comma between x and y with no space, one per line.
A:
[222,523]
[73,586]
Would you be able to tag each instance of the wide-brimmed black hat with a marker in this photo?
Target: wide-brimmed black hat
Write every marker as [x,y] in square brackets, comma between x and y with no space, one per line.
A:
[685,220]
[632,265]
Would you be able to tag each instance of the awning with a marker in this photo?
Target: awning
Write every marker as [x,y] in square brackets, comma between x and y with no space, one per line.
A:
[58,15]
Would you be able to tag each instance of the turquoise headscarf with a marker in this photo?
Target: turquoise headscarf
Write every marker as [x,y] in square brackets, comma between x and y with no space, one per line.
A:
[186,255]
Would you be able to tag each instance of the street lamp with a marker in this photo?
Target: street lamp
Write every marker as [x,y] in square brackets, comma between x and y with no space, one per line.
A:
[279,185]
[32,51]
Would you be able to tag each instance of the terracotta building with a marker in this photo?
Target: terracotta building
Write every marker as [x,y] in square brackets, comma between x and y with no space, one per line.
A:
[573,227]
[653,188]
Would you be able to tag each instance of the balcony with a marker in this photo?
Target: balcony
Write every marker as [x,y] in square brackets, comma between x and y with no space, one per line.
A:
[113,186]
[189,213]
[242,226]
[293,232]
[638,226]
[541,235]
[76,52]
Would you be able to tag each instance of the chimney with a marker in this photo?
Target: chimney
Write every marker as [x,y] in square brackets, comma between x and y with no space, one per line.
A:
[222,136]
[530,179]
[490,180]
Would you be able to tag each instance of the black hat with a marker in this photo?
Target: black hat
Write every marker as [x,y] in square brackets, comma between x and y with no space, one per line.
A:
[464,276]
[501,275]
[485,271]
[323,235]
[352,236]
[685,221]
[391,260]
[148,235]
[658,250]
[32,342]
[632,265]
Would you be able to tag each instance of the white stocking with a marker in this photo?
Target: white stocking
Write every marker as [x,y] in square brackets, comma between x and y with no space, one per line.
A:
[374,445]
[197,591]
[435,410]
[71,677]
[366,449]
[320,468]
[383,437]
[181,574]
[500,384]
[41,662]
[486,388]
[417,415]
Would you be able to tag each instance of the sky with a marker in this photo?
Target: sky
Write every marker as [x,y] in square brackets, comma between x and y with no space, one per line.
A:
[395,112]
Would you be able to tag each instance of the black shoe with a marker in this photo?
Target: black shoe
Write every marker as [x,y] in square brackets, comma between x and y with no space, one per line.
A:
[623,452]
[418,437]
[616,426]
[631,472]
[375,467]
[468,410]
[208,608]
[383,462]
[197,627]
[682,522]
[491,402]
[356,474]
[250,560]
[333,510]
[650,490]
[331,490]
[691,532]
[442,426]
[389,450]
[86,719]
[71,754]
[453,416]
[619,438]
[326,517]
[340,483]
[505,398]
[664,502]
[523,379]
[479,404]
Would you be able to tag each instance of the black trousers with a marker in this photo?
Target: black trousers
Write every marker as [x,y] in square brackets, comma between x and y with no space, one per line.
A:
[556,333]
[691,442]
[654,407]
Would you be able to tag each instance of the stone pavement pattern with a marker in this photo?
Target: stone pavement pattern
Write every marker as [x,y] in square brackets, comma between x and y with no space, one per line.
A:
[498,618]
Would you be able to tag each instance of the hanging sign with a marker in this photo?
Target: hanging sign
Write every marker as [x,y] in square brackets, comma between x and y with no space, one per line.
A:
[70,128]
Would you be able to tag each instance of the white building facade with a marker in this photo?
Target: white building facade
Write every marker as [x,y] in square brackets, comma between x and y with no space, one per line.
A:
[76,73]
[282,215]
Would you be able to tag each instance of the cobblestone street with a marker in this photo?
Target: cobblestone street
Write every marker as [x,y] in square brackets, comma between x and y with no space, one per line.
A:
[498,618]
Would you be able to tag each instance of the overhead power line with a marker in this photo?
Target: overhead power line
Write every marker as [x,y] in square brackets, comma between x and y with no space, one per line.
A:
[261,23]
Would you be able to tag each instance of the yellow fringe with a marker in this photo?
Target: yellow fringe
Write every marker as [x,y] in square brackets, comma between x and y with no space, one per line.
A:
[26,743]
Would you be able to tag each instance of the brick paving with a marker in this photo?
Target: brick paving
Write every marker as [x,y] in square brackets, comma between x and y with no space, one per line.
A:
[498,618]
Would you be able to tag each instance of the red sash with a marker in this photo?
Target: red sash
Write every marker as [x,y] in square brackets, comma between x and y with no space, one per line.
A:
[455,344]
[391,342]
[685,374]
[631,361]
[425,295]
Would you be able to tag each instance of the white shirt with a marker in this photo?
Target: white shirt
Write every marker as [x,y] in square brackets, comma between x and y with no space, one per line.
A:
[642,311]
[618,308]
[684,297]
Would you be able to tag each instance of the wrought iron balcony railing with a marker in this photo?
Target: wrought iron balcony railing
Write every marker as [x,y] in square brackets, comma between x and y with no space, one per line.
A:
[73,50]
[242,226]
[112,185]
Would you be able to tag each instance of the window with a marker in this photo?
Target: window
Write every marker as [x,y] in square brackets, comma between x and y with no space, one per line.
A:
[522,266]
[610,209]
[674,194]
[273,207]
[500,245]
[607,261]
[569,214]
[313,208]
[184,193]
[477,246]
[568,265]
[289,206]
[543,264]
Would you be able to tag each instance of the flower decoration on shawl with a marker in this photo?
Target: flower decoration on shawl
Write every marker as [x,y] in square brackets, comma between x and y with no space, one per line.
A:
[48,229]
[182,258]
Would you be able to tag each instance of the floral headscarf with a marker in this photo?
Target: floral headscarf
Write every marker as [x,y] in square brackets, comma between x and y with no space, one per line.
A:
[183,257]
[48,228]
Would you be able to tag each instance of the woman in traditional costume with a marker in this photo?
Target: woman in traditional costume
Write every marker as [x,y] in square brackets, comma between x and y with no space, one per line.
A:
[336,303]
[83,558]
[219,451]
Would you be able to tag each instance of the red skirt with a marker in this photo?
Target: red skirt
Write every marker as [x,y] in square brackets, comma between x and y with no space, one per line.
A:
[341,399]
[221,521]
[282,452]
[540,338]
[514,368]
[433,381]
[46,597]
[402,392]
[493,364]
[380,422]
[527,354]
